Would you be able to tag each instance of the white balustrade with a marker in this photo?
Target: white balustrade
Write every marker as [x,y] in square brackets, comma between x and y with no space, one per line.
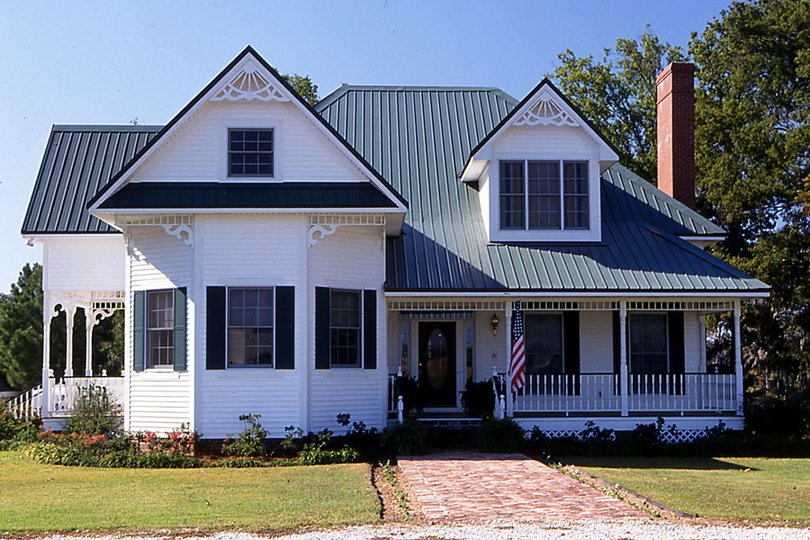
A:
[63,393]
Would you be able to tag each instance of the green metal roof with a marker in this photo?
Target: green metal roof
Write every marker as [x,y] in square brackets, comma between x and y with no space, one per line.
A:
[78,161]
[420,137]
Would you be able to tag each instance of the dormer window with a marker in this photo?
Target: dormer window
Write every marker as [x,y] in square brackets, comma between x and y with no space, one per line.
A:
[530,195]
[250,153]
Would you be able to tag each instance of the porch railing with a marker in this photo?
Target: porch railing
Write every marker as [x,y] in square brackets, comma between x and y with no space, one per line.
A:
[27,405]
[392,393]
[63,393]
[602,392]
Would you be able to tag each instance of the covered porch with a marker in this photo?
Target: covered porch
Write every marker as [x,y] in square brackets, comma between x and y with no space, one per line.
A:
[618,360]
[55,398]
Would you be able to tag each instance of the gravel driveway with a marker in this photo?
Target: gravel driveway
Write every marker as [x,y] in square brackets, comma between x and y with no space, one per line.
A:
[590,530]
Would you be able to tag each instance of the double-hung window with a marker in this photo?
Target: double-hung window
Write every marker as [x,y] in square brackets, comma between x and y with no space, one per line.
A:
[345,332]
[250,327]
[160,329]
[544,195]
[250,153]
[649,343]
[544,344]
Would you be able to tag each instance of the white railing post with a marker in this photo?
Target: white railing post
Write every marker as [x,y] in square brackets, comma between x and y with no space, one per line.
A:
[400,409]
[625,372]
[46,357]
[89,322]
[70,313]
[738,367]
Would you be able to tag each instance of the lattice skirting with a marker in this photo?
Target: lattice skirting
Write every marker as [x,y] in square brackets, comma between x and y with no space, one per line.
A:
[667,436]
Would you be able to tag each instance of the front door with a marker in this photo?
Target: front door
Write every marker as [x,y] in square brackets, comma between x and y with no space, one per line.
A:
[437,364]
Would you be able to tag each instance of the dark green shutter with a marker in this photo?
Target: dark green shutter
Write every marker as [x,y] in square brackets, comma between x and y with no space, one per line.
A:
[215,328]
[571,348]
[285,327]
[179,352]
[617,347]
[139,332]
[370,329]
[322,303]
[676,349]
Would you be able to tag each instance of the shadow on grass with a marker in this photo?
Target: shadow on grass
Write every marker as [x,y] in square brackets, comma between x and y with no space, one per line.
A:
[690,463]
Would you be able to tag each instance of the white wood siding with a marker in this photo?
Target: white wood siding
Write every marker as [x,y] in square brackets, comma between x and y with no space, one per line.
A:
[251,251]
[88,263]
[198,151]
[159,399]
[352,258]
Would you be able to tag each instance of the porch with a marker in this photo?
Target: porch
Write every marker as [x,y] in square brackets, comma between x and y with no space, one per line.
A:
[599,374]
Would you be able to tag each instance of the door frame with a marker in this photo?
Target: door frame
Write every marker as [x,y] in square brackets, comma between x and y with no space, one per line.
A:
[413,361]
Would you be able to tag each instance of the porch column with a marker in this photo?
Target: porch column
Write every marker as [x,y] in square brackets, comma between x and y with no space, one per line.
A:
[89,323]
[738,367]
[508,333]
[702,341]
[70,312]
[46,354]
[623,368]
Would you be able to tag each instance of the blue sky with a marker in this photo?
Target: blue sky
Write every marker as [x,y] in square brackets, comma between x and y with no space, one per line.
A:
[110,62]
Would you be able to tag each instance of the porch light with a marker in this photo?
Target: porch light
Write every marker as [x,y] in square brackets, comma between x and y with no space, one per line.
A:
[494,324]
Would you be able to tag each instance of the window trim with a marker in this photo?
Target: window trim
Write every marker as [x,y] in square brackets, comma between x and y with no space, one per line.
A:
[559,314]
[148,364]
[228,364]
[272,152]
[630,316]
[360,344]
[491,193]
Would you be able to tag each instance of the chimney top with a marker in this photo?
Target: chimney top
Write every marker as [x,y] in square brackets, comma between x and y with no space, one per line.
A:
[676,131]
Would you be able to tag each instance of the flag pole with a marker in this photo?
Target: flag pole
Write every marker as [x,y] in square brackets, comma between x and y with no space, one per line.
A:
[508,383]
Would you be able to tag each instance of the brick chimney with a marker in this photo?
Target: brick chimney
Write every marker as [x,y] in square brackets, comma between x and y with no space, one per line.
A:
[676,131]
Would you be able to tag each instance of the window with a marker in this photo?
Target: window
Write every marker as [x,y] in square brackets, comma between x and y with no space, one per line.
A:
[160,328]
[344,328]
[544,195]
[544,344]
[649,347]
[546,192]
[576,194]
[512,200]
[250,327]
[250,152]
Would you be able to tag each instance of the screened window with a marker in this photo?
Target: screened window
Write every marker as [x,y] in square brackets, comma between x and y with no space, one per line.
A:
[250,327]
[544,344]
[544,195]
[649,346]
[344,328]
[512,195]
[160,328]
[575,174]
[250,152]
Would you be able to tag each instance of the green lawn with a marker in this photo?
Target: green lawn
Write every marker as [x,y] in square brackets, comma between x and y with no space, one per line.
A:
[758,489]
[36,497]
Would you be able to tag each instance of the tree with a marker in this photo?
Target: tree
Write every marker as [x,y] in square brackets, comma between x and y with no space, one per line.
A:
[618,94]
[752,145]
[21,329]
[304,86]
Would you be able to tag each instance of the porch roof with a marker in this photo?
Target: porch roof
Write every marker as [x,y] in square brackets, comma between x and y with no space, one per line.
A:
[420,137]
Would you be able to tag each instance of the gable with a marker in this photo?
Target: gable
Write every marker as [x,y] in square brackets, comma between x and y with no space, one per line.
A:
[247,94]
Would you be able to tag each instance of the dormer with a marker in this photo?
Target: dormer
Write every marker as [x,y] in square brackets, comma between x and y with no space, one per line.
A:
[538,170]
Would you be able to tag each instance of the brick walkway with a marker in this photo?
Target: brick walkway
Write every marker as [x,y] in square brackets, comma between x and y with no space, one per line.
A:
[471,487]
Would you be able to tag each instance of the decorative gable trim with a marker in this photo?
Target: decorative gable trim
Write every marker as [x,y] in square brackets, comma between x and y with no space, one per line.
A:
[245,87]
[545,112]
[249,84]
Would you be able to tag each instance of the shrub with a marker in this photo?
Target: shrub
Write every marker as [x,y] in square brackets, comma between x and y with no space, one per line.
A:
[58,454]
[500,436]
[239,463]
[251,441]
[366,441]
[13,429]
[478,399]
[787,414]
[95,413]
[407,438]
[411,392]
[321,456]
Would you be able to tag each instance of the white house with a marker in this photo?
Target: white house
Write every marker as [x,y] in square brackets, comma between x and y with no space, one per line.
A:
[289,260]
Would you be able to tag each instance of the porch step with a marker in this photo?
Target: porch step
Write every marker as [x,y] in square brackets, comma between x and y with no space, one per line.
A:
[448,422]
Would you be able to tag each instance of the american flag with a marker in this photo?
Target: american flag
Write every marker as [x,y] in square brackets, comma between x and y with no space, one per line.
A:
[517,364]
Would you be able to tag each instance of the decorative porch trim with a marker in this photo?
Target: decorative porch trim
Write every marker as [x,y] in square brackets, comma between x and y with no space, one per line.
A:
[562,305]
[179,226]
[437,314]
[319,232]
[249,84]
[347,219]
[692,305]
[446,305]
[545,112]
